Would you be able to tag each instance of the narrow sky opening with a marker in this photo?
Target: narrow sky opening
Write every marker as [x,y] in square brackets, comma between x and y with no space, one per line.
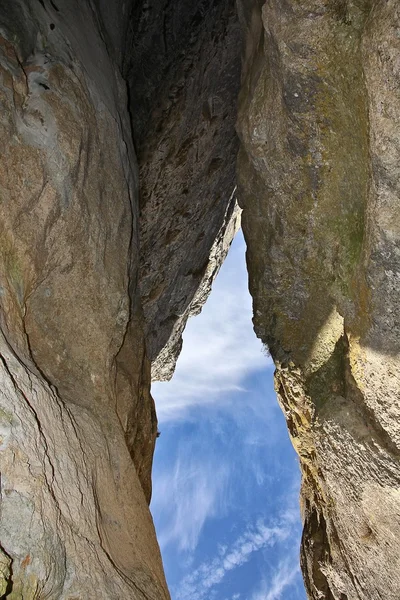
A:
[226,478]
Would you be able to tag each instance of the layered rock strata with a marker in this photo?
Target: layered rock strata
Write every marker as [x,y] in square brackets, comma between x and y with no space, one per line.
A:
[318,173]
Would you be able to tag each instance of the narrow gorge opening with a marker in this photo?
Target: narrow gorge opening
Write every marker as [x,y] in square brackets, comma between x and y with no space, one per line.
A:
[226,478]
[124,127]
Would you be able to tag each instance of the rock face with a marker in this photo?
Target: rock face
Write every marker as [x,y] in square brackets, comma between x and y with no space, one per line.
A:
[318,173]
[163,366]
[77,421]
[183,69]
[103,257]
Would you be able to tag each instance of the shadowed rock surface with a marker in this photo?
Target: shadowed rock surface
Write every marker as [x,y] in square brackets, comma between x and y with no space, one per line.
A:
[104,256]
[183,69]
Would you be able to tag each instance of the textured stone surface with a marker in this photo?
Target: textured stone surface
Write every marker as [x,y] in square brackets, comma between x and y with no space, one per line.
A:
[77,420]
[163,366]
[184,69]
[81,246]
[318,182]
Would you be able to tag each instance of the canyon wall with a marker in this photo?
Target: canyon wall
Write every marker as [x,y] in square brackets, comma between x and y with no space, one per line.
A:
[117,207]
[318,179]
[183,72]
[77,421]
[78,424]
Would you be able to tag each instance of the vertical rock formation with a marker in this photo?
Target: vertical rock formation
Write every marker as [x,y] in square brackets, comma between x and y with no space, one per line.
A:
[183,69]
[76,416]
[318,173]
[77,421]
[103,256]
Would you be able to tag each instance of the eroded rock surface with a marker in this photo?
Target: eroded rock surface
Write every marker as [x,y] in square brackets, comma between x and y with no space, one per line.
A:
[100,269]
[318,183]
[184,73]
[77,420]
[163,366]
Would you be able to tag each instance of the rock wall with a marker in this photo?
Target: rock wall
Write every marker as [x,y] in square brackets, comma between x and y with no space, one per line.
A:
[318,174]
[77,421]
[183,69]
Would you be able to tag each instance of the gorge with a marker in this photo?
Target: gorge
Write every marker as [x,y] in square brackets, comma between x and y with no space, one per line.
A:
[129,131]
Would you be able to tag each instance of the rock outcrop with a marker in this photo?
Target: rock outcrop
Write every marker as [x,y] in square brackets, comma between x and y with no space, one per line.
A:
[117,207]
[318,179]
[77,421]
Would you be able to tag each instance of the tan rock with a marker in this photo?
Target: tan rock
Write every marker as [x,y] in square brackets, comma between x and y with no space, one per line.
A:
[318,178]
[77,420]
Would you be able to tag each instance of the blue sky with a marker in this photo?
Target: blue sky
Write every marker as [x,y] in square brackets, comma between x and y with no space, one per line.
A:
[226,478]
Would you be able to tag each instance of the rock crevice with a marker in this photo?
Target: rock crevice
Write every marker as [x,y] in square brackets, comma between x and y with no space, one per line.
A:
[117,207]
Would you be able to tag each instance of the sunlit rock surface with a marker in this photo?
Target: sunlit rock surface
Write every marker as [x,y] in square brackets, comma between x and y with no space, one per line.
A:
[77,420]
[318,175]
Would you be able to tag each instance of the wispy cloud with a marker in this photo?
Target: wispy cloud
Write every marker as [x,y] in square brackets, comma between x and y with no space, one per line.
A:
[195,490]
[198,585]
[205,472]
[222,456]
[284,576]
[218,355]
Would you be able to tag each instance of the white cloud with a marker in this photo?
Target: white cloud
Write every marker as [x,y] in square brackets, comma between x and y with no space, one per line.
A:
[284,576]
[198,585]
[220,351]
[219,347]
[282,579]
[194,492]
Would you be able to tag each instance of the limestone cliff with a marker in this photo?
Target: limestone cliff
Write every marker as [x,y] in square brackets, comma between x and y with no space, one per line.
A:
[318,173]
[117,206]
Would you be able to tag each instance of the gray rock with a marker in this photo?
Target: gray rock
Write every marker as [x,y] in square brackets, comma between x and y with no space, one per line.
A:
[184,74]
[162,368]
